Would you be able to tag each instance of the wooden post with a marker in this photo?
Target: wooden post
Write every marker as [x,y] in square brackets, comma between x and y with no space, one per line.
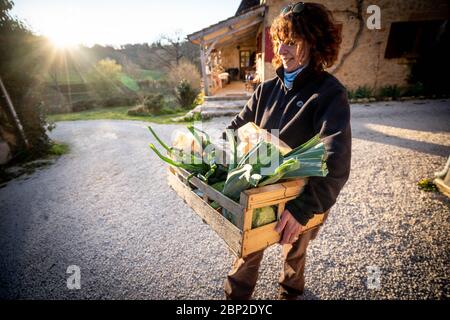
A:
[203,63]
[14,116]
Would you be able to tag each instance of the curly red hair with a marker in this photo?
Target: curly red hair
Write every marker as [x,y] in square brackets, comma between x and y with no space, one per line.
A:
[315,25]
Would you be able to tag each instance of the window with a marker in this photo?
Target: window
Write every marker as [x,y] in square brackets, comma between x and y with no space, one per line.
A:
[244,59]
[412,38]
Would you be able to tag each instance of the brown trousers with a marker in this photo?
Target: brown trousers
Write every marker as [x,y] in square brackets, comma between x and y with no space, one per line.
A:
[241,280]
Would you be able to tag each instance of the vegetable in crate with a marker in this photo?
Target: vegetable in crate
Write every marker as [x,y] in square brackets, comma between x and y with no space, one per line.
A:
[263,216]
[250,134]
[255,168]
[306,160]
[199,159]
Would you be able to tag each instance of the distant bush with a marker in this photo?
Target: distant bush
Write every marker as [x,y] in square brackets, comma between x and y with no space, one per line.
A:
[140,111]
[85,105]
[167,110]
[363,92]
[154,103]
[104,78]
[186,71]
[149,85]
[416,89]
[58,149]
[89,104]
[149,105]
[351,94]
[389,91]
[200,99]
[186,94]
[119,101]
[426,184]
[155,86]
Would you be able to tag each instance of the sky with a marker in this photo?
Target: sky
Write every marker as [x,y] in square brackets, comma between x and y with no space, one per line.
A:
[113,22]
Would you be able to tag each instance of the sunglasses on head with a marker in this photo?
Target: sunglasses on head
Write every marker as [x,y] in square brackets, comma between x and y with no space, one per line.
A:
[293,8]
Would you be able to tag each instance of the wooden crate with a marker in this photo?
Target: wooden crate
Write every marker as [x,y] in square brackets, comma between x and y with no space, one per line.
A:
[240,238]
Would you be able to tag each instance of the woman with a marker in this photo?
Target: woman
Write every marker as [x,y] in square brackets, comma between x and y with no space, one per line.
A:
[301,101]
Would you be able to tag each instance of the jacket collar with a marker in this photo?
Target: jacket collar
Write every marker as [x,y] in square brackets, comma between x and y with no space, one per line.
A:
[302,78]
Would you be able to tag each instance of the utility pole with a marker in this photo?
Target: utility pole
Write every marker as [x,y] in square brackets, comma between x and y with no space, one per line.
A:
[13,114]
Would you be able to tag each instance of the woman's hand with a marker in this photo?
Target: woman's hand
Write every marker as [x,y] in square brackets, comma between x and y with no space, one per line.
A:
[289,228]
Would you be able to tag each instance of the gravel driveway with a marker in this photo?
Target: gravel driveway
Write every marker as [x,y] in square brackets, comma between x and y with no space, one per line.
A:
[106,208]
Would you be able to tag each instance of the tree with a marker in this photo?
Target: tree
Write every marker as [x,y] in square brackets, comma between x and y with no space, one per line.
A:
[109,69]
[20,65]
[105,78]
[185,70]
[168,49]
[185,79]
[191,52]
[131,68]
[185,94]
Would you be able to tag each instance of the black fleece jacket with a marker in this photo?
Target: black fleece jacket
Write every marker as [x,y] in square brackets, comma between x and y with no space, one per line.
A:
[317,103]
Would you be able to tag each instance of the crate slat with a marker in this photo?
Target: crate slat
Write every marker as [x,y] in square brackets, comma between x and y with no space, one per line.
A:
[240,238]
[269,203]
[212,194]
[294,187]
[265,194]
[274,192]
[263,237]
[224,228]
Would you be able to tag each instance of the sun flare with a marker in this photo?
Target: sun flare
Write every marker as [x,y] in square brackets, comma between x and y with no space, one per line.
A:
[63,40]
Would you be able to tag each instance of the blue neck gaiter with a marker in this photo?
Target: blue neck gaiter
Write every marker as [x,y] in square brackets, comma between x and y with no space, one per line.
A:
[289,77]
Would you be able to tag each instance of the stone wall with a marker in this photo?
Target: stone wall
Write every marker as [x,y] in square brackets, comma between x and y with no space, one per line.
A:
[366,64]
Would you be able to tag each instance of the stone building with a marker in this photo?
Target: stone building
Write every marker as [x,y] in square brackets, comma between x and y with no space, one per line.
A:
[240,45]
